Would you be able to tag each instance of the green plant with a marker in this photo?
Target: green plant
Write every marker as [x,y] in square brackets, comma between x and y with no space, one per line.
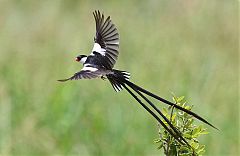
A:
[185,124]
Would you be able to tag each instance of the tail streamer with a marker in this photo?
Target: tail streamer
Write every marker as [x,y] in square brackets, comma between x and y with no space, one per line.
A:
[120,79]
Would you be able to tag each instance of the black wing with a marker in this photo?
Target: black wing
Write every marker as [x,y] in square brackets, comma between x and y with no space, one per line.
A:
[106,39]
[85,73]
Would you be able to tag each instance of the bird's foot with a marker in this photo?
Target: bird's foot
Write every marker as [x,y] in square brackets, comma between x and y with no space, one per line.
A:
[103,78]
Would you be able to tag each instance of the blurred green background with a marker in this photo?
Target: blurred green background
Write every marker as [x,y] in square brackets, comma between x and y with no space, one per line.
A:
[186,47]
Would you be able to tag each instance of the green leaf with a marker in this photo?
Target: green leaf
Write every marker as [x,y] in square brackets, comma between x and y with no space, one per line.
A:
[201,150]
[174,98]
[160,146]
[189,122]
[187,107]
[164,111]
[181,113]
[173,117]
[188,136]
[173,150]
[183,149]
[204,132]
[194,145]
[180,98]
[201,147]
[196,131]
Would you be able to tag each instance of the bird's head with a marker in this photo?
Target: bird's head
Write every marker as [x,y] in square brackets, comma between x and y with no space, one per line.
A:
[81,58]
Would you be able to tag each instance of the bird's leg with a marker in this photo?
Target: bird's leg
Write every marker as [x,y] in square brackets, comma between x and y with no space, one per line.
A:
[103,77]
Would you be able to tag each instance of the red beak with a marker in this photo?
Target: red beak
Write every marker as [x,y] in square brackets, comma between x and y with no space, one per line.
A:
[77,59]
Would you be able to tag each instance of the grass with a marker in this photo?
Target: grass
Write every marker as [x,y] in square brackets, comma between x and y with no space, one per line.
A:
[189,48]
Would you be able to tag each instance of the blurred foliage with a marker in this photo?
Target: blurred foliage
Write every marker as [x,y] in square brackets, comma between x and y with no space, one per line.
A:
[184,123]
[189,47]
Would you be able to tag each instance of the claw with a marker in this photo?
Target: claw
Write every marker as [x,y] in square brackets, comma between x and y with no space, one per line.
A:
[103,78]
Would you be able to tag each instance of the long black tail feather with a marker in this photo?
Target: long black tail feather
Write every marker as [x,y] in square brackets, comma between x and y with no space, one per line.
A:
[167,102]
[120,77]
[116,80]
[120,80]
[161,114]
[175,134]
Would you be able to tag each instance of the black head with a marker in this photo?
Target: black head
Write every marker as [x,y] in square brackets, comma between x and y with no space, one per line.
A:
[81,58]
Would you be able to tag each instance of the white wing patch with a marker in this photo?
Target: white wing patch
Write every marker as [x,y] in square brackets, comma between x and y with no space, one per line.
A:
[92,69]
[99,49]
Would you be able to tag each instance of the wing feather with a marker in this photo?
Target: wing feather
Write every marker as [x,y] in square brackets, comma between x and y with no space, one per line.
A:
[107,37]
[85,73]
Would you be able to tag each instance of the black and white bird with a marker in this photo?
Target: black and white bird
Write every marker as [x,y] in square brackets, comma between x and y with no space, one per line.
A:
[99,64]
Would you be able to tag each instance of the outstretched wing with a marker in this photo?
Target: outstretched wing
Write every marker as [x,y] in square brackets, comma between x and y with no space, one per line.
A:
[106,39]
[86,73]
